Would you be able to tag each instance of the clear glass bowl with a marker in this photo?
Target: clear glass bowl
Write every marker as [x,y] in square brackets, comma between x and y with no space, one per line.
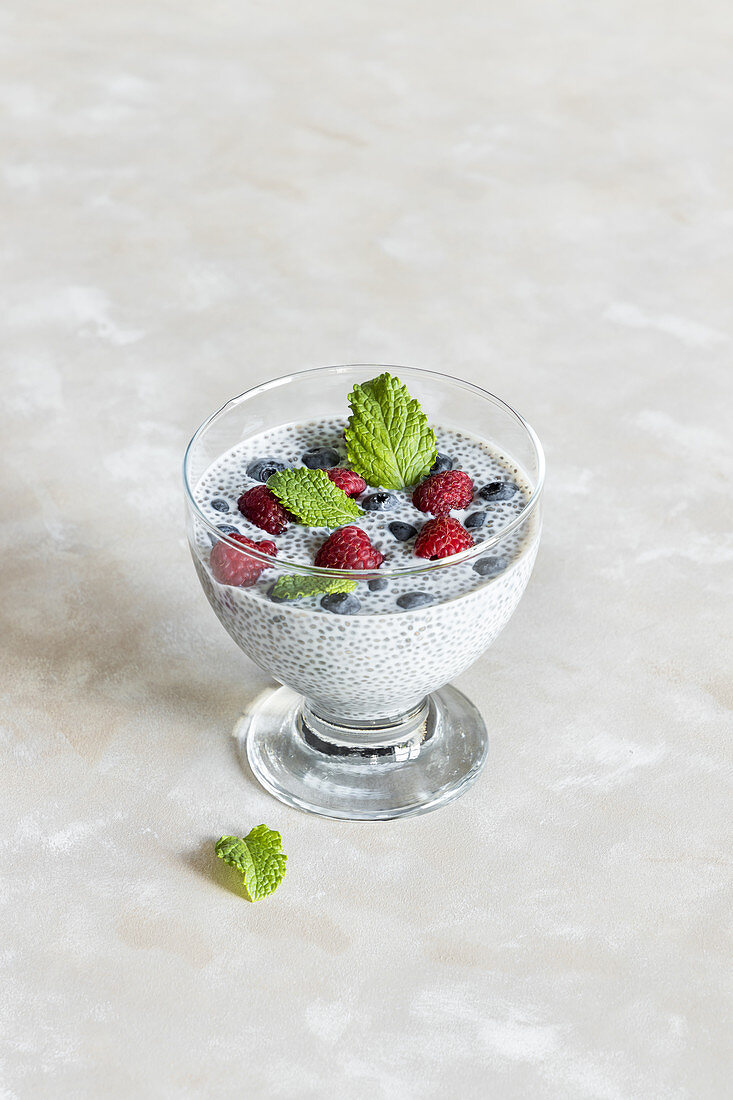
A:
[366,724]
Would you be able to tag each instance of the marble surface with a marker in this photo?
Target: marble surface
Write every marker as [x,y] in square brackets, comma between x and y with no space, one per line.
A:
[536,197]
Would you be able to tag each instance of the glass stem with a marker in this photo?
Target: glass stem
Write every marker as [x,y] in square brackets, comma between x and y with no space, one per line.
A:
[398,737]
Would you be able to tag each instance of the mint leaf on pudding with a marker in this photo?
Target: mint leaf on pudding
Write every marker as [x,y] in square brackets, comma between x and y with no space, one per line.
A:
[313,498]
[389,440]
[258,857]
[293,587]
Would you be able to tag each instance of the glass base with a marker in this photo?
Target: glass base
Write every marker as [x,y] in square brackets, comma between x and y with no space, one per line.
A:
[415,763]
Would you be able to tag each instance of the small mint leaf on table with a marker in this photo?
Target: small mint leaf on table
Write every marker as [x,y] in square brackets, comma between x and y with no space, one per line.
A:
[389,440]
[293,587]
[258,857]
[313,498]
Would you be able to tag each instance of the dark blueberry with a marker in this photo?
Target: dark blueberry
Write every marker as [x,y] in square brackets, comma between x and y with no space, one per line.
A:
[220,505]
[491,565]
[498,490]
[403,531]
[341,603]
[379,502]
[378,584]
[414,599]
[262,468]
[441,464]
[321,458]
[476,519]
[273,597]
[225,530]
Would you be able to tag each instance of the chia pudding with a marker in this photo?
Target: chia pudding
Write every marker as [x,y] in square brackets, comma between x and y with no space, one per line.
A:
[381,649]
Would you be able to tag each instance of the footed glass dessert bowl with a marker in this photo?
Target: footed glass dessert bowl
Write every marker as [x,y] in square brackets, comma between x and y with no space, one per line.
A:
[363,533]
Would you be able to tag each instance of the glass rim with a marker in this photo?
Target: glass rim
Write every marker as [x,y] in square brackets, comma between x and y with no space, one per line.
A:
[478,550]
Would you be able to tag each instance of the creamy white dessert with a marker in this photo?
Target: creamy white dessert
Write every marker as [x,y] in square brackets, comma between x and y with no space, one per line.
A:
[380,649]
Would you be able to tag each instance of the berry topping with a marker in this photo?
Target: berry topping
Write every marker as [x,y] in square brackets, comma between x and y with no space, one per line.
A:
[414,599]
[262,468]
[227,529]
[498,490]
[341,603]
[379,502]
[442,537]
[476,519]
[347,480]
[260,506]
[439,494]
[403,531]
[220,505]
[236,567]
[491,565]
[378,584]
[441,464]
[321,458]
[349,548]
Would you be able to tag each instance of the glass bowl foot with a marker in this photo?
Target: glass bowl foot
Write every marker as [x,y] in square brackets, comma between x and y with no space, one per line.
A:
[413,764]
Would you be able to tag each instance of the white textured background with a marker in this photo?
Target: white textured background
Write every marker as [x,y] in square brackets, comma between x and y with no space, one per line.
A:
[535,196]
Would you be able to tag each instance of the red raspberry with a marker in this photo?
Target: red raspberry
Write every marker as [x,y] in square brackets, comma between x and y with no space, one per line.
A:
[439,494]
[347,480]
[349,548]
[442,537]
[261,507]
[231,566]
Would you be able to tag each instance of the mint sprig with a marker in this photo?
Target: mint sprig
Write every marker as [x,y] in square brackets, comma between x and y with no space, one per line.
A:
[293,587]
[389,440]
[258,857]
[313,498]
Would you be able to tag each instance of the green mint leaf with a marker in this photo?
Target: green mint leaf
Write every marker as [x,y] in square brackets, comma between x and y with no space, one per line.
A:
[293,587]
[389,440]
[258,857]
[313,498]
